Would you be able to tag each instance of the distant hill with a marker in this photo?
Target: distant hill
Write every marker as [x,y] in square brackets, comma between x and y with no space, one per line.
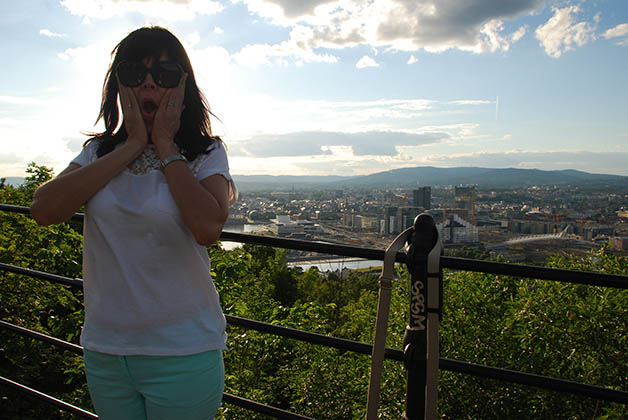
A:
[428,175]
[484,177]
[419,176]
[13,181]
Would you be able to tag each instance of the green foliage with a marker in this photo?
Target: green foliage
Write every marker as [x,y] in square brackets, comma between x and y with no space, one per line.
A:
[549,328]
[39,174]
[470,252]
[39,305]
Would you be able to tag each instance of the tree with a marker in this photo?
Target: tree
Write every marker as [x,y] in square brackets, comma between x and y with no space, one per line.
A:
[543,327]
[39,305]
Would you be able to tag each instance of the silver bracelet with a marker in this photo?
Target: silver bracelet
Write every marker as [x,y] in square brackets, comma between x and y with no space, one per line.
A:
[165,162]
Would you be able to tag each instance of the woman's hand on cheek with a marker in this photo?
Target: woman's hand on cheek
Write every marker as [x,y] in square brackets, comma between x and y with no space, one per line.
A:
[133,121]
[168,119]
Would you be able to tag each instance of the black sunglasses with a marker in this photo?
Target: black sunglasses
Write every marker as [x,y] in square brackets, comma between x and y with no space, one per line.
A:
[164,73]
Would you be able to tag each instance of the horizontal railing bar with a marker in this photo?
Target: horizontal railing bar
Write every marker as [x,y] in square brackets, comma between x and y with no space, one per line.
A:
[78,217]
[312,246]
[544,382]
[262,408]
[74,348]
[15,209]
[49,399]
[522,378]
[590,278]
[42,275]
[226,397]
[310,337]
[230,398]
[456,263]
[530,379]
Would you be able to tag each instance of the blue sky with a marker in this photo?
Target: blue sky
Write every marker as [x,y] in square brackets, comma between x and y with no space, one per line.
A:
[344,87]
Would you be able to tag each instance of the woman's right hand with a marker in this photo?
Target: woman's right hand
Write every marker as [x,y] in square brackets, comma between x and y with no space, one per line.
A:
[133,121]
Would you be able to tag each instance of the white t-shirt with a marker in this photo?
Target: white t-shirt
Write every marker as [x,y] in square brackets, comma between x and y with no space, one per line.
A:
[147,282]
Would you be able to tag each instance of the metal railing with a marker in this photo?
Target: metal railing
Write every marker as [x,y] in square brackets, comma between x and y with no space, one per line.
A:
[523,271]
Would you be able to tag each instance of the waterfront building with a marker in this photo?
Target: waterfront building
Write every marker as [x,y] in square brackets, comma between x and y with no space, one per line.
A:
[284,226]
[456,230]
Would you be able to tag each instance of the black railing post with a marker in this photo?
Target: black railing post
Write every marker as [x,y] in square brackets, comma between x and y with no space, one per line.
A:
[424,246]
[381,323]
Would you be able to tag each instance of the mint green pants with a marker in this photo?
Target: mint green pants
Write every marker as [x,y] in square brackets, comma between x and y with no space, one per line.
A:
[155,387]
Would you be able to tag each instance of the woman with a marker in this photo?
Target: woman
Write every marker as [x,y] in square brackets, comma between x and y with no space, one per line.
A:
[156,192]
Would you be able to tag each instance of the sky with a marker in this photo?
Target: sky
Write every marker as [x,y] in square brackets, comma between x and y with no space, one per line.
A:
[340,87]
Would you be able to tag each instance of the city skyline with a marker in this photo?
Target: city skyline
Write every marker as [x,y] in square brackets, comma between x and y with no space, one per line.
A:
[341,87]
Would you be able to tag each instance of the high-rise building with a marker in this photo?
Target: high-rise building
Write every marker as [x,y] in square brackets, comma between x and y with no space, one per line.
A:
[422,197]
[397,219]
[465,197]
[390,220]
[406,216]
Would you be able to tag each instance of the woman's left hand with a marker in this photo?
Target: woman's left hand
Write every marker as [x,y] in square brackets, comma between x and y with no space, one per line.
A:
[168,119]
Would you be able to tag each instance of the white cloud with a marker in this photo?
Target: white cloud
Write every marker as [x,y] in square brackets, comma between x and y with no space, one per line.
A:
[366,61]
[81,53]
[213,71]
[491,37]
[471,102]
[9,122]
[24,140]
[475,25]
[191,40]
[519,33]
[286,12]
[8,158]
[390,129]
[245,115]
[21,100]
[218,30]
[89,64]
[619,31]
[50,34]
[74,144]
[257,55]
[64,112]
[293,50]
[170,10]
[412,59]
[408,25]
[310,143]
[560,33]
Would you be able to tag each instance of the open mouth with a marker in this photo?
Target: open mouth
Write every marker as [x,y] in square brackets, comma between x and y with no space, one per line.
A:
[149,108]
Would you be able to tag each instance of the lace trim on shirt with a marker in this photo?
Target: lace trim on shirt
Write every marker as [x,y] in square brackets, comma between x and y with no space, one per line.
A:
[149,161]
[146,162]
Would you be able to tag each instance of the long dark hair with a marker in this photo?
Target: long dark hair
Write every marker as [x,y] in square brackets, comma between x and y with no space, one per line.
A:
[195,134]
